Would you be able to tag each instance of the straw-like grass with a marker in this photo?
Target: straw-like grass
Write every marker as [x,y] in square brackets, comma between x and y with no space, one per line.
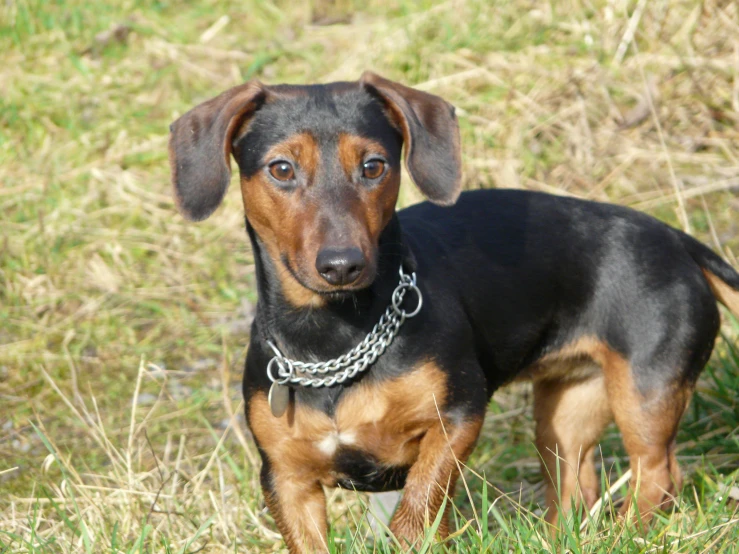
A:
[122,327]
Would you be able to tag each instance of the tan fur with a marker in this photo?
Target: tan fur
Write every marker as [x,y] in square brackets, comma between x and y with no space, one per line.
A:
[572,362]
[388,421]
[264,210]
[648,425]
[444,447]
[295,225]
[574,402]
[723,292]
[279,218]
[377,204]
[570,418]
[301,148]
[381,419]
[354,148]
[299,509]
[571,411]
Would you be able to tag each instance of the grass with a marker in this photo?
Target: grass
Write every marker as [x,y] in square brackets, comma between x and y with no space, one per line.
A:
[122,327]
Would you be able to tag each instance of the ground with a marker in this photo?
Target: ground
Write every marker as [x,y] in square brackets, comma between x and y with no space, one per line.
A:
[123,327]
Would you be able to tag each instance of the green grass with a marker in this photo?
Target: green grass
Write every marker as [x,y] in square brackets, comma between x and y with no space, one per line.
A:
[110,301]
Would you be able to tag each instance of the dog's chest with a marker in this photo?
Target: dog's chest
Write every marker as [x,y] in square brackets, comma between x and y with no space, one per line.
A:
[370,441]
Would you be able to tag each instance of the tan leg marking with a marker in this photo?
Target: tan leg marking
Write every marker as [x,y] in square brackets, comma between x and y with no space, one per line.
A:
[432,477]
[570,418]
[648,425]
[299,510]
[295,498]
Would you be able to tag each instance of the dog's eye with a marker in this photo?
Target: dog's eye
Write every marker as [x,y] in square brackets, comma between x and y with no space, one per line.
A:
[282,171]
[372,169]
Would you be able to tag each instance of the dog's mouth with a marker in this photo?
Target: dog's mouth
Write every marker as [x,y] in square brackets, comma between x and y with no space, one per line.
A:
[330,293]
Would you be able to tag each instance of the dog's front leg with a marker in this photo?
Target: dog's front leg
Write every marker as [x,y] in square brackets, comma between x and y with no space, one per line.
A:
[434,474]
[298,505]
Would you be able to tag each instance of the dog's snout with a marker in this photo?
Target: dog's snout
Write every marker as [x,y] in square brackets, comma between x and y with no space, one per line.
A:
[340,266]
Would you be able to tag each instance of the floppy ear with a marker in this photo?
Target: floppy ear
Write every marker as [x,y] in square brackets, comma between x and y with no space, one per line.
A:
[430,134]
[200,148]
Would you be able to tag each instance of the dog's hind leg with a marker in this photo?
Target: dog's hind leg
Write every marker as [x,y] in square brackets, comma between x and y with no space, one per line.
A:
[648,422]
[570,419]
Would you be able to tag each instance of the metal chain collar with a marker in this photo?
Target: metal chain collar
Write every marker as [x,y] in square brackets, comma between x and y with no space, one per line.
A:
[358,358]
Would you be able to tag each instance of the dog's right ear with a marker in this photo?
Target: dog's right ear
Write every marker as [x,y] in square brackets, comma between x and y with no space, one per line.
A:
[200,145]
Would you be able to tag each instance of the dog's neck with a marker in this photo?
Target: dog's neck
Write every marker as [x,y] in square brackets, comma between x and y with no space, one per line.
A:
[300,332]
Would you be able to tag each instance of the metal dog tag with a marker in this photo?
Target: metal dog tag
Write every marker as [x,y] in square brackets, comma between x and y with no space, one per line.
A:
[278,399]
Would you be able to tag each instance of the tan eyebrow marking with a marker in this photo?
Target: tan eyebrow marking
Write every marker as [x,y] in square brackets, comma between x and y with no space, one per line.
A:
[302,148]
[353,149]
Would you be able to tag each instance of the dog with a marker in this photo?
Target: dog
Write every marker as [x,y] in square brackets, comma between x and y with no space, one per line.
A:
[380,336]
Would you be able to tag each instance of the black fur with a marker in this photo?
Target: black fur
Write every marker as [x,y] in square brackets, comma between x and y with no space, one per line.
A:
[507,277]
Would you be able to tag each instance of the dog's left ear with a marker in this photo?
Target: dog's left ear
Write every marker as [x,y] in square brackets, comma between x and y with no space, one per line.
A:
[431,137]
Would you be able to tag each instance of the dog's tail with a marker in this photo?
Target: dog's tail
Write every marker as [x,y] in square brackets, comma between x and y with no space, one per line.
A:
[722,278]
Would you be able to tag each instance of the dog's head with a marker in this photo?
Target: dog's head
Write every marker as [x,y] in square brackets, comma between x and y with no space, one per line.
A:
[320,169]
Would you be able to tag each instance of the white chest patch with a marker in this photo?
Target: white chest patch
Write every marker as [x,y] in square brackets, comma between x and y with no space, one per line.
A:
[331,441]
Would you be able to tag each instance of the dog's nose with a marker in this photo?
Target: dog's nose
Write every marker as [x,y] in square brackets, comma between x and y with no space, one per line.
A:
[340,266]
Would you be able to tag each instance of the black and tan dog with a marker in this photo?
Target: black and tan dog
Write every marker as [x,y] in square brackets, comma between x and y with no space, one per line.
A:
[611,313]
